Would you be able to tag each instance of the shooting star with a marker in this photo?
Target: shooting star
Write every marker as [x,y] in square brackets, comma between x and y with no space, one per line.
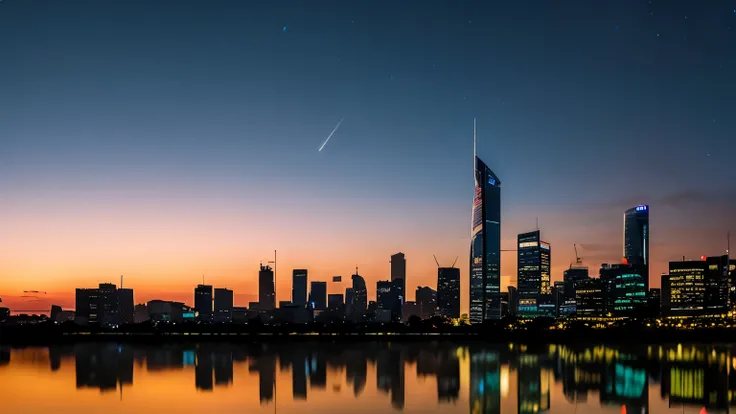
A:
[331,133]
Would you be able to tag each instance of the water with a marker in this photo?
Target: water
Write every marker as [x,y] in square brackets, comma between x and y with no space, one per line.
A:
[356,378]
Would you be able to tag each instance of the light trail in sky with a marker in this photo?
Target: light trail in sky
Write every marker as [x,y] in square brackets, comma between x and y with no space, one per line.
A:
[331,133]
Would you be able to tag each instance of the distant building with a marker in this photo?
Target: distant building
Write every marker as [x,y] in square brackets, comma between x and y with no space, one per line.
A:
[240,314]
[101,306]
[654,302]
[360,297]
[349,299]
[513,300]
[571,276]
[485,245]
[717,293]
[59,315]
[387,296]
[140,313]
[336,302]
[558,296]
[625,289]
[202,302]
[318,296]
[534,260]
[398,275]
[427,301]
[126,306]
[223,305]
[636,238]
[589,298]
[299,279]
[448,292]
[410,309]
[684,289]
[169,311]
[266,289]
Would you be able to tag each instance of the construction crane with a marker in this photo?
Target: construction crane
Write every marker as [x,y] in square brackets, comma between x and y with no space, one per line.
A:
[578,260]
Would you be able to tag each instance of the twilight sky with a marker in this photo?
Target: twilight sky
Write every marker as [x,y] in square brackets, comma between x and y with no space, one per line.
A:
[166,140]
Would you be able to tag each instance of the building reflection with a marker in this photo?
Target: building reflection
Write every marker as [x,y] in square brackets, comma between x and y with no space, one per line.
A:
[701,377]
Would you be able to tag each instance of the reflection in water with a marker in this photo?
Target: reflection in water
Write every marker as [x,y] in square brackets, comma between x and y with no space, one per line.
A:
[413,377]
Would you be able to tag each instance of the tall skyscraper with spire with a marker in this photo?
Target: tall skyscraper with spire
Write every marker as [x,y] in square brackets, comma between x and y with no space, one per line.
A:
[485,243]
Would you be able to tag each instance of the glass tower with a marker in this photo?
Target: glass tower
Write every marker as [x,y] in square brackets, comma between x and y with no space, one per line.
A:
[636,238]
[485,246]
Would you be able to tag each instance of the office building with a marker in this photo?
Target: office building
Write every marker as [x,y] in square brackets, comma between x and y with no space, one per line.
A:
[169,311]
[266,289]
[485,244]
[684,289]
[203,302]
[102,305]
[625,290]
[387,296]
[126,306]
[654,303]
[636,238]
[589,300]
[223,305]
[336,302]
[448,292]
[299,279]
[141,313]
[359,301]
[534,261]
[571,276]
[410,309]
[398,275]
[426,301]
[318,296]
[717,300]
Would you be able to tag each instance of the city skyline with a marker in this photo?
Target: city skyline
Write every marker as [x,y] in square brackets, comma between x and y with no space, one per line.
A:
[170,152]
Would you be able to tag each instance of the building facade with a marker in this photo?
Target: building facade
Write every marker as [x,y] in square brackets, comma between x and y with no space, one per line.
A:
[534,262]
[223,305]
[636,238]
[398,275]
[266,289]
[203,302]
[318,296]
[625,289]
[426,301]
[299,280]
[359,301]
[448,292]
[589,301]
[485,246]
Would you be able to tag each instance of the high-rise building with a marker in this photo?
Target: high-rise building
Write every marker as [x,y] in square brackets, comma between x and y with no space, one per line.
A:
[387,296]
[336,302]
[349,298]
[203,302]
[624,288]
[398,275]
[318,296]
[513,300]
[299,287]
[571,276]
[534,262]
[223,305]
[636,238]
[126,306]
[109,305]
[86,306]
[717,287]
[485,244]
[448,292]
[359,301]
[426,301]
[266,289]
[102,305]
[589,300]
[689,290]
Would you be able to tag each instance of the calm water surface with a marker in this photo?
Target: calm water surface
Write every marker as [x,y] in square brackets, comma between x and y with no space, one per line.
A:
[367,378]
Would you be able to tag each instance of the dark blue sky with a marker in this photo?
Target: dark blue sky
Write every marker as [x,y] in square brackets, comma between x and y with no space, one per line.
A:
[584,108]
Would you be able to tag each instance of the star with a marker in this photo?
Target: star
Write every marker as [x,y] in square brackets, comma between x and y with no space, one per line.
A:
[284,28]
[616,27]
[657,34]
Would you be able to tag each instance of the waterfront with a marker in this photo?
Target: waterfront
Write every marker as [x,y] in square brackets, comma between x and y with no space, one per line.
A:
[371,377]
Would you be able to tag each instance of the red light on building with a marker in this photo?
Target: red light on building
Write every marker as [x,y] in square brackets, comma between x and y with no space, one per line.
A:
[624,261]
[702,258]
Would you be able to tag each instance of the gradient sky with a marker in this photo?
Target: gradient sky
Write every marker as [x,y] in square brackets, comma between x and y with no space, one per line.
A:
[166,140]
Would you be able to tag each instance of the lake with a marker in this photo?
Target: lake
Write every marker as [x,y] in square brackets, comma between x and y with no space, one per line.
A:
[367,377]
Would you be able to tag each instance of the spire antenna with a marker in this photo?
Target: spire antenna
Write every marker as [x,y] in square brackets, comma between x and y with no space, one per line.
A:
[474,143]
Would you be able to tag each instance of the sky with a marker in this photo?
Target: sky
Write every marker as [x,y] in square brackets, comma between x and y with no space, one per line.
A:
[171,141]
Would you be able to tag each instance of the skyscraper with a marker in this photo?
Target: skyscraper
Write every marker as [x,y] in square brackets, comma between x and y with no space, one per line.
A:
[485,244]
[203,302]
[534,260]
[448,291]
[427,301]
[318,295]
[266,289]
[636,237]
[299,287]
[126,306]
[387,296]
[359,301]
[398,274]
[223,305]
